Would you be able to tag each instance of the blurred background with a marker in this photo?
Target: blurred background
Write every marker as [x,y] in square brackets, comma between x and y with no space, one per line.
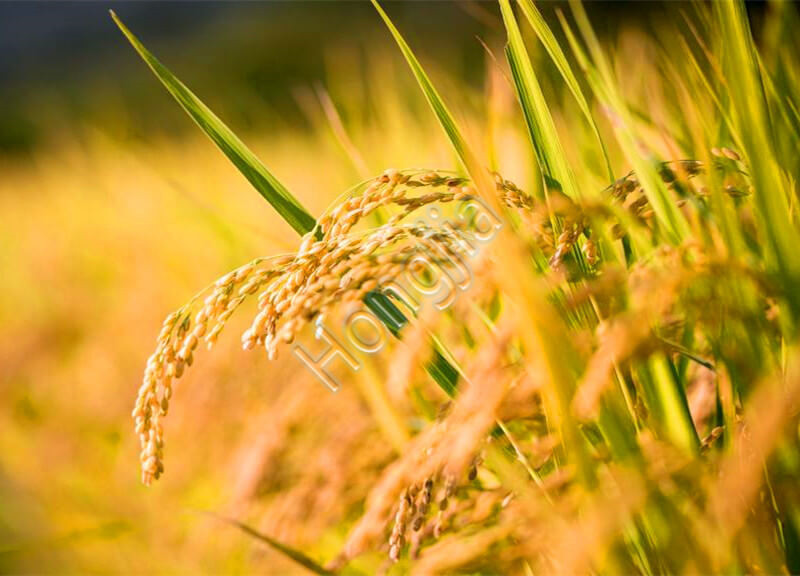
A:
[115,210]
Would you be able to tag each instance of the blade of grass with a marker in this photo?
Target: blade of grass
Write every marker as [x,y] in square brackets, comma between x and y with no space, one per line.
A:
[444,116]
[670,219]
[340,132]
[550,43]
[287,551]
[439,368]
[242,157]
[541,129]
[677,417]
[749,104]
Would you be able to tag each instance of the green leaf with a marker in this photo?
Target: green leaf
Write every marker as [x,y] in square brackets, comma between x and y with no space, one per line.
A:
[465,153]
[241,156]
[670,219]
[548,40]
[672,404]
[291,553]
[754,126]
[541,129]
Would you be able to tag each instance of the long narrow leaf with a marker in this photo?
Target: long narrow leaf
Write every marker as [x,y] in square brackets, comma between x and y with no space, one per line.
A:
[438,105]
[750,112]
[669,217]
[241,156]
[468,158]
[289,552]
[541,129]
[548,40]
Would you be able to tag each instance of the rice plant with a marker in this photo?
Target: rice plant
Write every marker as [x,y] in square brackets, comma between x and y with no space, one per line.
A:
[618,391]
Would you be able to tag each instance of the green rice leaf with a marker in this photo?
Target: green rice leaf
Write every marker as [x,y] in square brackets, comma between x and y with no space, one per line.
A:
[550,43]
[670,219]
[673,406]
[751,115]
[443,373]
[242,157]
[468,158]
[541,129]
[289,552]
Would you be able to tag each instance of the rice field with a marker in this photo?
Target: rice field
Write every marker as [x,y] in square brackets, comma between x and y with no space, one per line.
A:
[541,323]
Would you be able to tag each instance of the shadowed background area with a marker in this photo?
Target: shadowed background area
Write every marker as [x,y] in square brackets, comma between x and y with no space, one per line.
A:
[62,64]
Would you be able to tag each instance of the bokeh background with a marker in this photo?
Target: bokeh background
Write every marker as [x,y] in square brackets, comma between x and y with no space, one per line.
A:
[114,210]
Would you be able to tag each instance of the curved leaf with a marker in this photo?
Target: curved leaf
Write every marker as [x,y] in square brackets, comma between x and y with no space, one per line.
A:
[242,157]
